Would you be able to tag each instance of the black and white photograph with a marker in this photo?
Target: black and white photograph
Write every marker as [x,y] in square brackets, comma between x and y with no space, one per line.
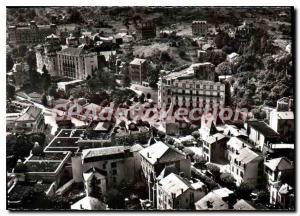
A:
[150,108]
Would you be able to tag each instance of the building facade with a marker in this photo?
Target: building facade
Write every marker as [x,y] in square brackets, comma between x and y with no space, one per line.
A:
[146,30]
[247,167]
[31,34]
[138,70]
[155,158]
[76,63]
[193,87]
[117,164]
[282,119]
[260,134]
[46,54]
[176,192]
[199,28]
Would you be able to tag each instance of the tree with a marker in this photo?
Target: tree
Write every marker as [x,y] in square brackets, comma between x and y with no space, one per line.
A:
[196,134]
[263,197]
[165,57]
[148,95]
[227,180]
[37,150]
[142,98]
[74,16]
[52,91]
[36,199]
[215,170]
[40,138]
[221,39]
[126,81]
[31,60]
[19,51]
[44,100]
[154,76]
[20,167]
[244,191]
[9,62]
[46,79]
[223,68]
[10,91]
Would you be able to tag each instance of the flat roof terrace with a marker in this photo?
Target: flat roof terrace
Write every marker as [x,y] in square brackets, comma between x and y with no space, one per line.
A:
[72,139]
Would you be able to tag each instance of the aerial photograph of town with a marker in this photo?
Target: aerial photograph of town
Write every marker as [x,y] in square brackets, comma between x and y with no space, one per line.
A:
[147,108]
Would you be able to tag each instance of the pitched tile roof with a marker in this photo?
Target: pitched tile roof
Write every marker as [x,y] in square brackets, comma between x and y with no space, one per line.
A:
[156,152]
[243,205]
[174,184]
[31,114]
[211,201]
[105,151]
[281,163]
[246,155]
[263,128]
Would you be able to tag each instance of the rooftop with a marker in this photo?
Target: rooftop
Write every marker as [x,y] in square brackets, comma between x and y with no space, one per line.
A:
[264,129]
[281,163]
[243,205]
[105,152]
[174,184]
[199,21]
[89,203]
[211,201]
[223,192]
[246,155]
[138,61]
[156,151]
[215,138]
[72,51]
[31,114]
[285,115]
[188,72]
[285,189]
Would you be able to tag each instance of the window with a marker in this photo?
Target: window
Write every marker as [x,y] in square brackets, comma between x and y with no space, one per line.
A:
[113,165]
[211,87]
[103,166]
[114,180]
[197,86]
[218,87]
[242,174]
[114,172]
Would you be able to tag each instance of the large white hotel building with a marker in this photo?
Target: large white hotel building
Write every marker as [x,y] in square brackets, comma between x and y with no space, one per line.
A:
[193,87]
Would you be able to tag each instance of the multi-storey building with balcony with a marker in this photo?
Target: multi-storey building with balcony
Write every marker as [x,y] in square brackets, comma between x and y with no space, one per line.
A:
[76,63]
[193,87]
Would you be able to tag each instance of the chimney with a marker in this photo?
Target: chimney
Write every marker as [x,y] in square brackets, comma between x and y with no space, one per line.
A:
[182,190]
[181,174]
[148,155]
